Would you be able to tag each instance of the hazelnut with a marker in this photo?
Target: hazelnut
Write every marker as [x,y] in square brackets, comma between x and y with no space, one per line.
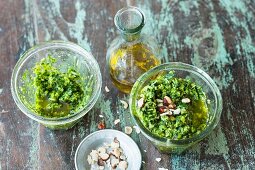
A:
[167,101]
[123,165]
[128,130]
[100,162]
[104,156]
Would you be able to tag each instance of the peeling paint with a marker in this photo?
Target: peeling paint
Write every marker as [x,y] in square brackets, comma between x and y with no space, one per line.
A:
[214,55]
[233,7]
[34,148]
[77,29]
[29,36]
[185,7]
[156,22]
[217,143]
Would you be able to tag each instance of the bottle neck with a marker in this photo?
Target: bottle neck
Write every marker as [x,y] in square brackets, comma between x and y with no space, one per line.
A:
[129,21]
[130,37]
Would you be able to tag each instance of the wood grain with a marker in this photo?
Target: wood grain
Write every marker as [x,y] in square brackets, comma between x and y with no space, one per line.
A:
[215,35]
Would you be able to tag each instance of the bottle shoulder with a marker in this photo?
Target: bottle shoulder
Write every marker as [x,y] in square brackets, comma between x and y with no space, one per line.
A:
[148,41]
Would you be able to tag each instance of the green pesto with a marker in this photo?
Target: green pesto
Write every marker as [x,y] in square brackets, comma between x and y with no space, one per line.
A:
[193,116]
[58,94]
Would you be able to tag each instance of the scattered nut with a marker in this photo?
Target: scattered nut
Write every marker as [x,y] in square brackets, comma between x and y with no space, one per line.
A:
[160,104]
[128,130]
[140,102]
[116,121]
[125,104]
[137,129]
[101,125]
[123,165]
[106,89]
[158,159]
[185,100]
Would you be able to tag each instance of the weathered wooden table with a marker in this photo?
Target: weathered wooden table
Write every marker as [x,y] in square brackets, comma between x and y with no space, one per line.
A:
[215,35]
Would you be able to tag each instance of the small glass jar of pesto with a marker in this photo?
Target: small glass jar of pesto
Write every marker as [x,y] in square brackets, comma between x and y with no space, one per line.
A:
[56,83]
[175,105]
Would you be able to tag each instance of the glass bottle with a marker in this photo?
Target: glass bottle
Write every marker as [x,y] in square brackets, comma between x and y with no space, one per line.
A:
[132,53]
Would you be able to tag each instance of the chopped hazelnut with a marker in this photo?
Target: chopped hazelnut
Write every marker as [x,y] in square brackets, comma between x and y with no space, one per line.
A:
[167,101]
[123,165]
[114,163]
[100,162]
[116,121]
[106,89]
[128,130]
[125,104]
[104,156]
[116,152]
[158,159]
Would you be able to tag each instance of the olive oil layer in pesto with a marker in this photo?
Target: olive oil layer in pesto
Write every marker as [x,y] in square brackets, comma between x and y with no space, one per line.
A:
[186,120]
[57,94]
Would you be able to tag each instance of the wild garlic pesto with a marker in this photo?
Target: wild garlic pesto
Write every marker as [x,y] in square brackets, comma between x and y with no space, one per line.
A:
[58,94]
[172,107]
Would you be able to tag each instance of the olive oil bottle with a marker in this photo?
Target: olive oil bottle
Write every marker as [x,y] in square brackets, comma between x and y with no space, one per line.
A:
[132,53]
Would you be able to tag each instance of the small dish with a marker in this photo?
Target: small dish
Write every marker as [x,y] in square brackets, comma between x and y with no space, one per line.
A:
[99,138]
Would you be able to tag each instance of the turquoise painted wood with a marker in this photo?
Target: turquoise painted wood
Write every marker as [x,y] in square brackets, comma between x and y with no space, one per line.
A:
[215,35]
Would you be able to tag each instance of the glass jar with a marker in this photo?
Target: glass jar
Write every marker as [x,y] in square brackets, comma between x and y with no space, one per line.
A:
[182,70]
[67,55]
[132,53]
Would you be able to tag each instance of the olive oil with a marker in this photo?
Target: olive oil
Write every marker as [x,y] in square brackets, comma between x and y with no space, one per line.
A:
[128,63]
[132,53]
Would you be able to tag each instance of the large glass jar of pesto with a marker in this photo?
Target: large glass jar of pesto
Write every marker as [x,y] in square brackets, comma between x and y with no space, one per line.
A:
[132,53]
